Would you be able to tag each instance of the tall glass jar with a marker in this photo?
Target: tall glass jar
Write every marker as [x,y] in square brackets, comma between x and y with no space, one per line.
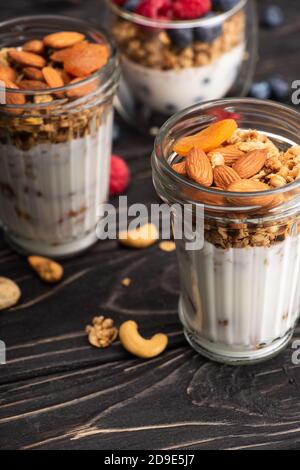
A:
[169,65]
[240,293]
[55,149]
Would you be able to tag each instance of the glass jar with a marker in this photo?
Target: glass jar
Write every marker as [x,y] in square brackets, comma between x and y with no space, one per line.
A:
[55,149]
[170,65]
[240,293]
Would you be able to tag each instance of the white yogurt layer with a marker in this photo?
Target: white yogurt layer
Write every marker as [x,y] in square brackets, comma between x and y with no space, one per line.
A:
[50,195]
[241,298]
[168,91]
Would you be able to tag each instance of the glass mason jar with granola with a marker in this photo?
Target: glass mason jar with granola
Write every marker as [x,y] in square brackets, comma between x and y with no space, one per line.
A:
[175,54]
[240,293]
[58,78]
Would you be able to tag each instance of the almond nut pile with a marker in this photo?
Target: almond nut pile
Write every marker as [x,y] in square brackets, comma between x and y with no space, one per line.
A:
[227,158]
[54,61]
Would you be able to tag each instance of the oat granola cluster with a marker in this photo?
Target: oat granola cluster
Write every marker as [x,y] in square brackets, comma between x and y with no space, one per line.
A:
[157,49]
[225,157]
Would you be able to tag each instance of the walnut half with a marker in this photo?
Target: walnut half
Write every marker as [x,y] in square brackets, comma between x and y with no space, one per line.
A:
[102,333]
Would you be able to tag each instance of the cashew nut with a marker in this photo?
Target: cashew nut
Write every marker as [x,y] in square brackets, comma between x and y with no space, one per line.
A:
[141,237]
[134,343]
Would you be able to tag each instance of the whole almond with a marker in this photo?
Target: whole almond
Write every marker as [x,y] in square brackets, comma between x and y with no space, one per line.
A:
[7,73]
[85,58]
[36,46]
[33,73]
[52,77]
[180,168]
[81,90]
[14,98]
[224,176]
[245,186]
[251,163]
[231,153]
[32,85]
[27,58]
[198,167]
[63,39]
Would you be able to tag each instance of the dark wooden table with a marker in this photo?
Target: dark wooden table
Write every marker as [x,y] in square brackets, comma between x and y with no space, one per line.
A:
[57,392]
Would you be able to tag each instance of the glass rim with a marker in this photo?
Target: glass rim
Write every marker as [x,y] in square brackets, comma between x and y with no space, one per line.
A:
[175,24]
[110,65]
[208,190]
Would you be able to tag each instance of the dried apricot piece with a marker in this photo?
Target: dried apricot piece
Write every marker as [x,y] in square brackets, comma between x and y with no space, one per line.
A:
[85,59]
[61,55]
[208,139]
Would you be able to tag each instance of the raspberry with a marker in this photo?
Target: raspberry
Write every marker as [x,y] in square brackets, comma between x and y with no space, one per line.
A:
[157,9]
[119,176]
[190,9]
[221,114]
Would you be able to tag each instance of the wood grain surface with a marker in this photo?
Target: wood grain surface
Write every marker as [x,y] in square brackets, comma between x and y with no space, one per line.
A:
[57,392]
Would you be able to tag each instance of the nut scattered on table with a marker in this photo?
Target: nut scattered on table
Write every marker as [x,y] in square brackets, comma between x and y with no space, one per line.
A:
[141,237]
[167,246]
[10,293]
[126,282]
[134,343]
[102,333]
[48,270]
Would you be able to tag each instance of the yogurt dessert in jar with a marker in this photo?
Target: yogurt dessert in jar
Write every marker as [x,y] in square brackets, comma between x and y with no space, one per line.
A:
[175,54]
[58,79]
[240,295]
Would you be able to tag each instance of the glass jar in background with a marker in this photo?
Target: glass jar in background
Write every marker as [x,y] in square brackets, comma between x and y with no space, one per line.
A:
[240,293]
[170,65]
[55,149]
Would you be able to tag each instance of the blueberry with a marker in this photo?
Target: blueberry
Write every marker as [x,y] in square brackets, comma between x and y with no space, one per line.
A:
[273,16]
[116,131]
[181,37]
[280,88]
[131,5]
[224,5]
[260,90]
[208,33]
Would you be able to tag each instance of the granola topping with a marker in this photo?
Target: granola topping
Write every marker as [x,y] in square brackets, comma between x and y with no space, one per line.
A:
[156,49]
[253,163]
